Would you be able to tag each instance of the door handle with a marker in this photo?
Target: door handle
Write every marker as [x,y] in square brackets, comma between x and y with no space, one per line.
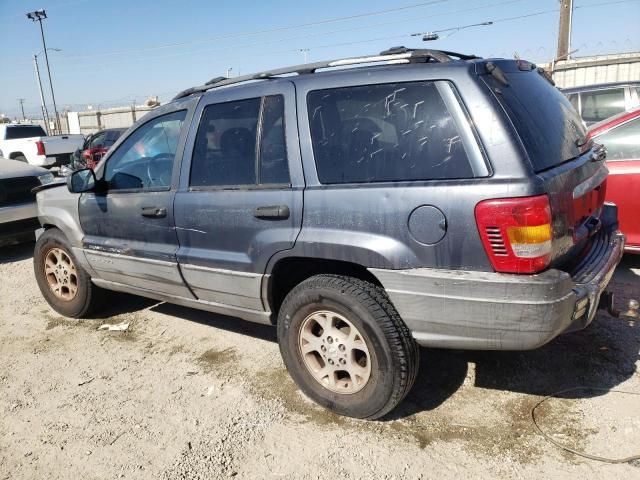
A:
[155,212]
[274,212]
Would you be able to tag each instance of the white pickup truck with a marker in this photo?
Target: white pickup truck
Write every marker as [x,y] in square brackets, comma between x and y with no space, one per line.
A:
[30,144]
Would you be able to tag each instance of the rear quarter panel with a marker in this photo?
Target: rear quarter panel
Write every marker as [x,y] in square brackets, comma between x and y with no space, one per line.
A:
[368,223]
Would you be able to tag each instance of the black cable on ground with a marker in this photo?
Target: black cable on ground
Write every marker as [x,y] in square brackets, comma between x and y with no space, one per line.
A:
[569,449]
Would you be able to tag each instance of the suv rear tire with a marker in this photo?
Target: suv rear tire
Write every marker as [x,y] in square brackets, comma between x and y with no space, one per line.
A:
[346,347]
[65,285]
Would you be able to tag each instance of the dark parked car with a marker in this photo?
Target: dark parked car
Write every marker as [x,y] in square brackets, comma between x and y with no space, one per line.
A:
[599,102]
[18,213]
[95,147]
[441,200]
[621,137]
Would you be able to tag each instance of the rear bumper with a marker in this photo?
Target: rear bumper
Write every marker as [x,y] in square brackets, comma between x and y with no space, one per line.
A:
[494,311]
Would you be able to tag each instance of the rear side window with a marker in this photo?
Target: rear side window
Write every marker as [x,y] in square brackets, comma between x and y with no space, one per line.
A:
[385,132]
[225,152]
[601,104]
[24,131]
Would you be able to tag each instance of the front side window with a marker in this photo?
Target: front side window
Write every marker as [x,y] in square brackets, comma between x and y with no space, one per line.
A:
[623,142]
[225,152]
[145,159]
[601,104]
[386,132]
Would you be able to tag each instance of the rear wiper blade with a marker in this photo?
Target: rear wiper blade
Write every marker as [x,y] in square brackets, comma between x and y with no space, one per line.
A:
[496,73]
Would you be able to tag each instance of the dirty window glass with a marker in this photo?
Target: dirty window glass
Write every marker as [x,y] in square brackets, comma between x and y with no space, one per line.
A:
[145,159]
[602,104]
[386,132]
[623,142]
[225,148]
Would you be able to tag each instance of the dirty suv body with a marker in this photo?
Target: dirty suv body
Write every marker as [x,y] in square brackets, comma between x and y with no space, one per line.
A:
[412,198]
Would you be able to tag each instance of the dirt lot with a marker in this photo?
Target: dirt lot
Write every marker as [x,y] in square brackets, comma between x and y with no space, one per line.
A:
[186,394]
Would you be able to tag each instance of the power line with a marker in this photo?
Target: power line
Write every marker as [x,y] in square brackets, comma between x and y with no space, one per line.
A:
[303,37]
[321,34]
[267,30]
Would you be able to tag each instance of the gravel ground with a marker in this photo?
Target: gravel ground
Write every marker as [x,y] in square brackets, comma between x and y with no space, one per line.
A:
[187,394]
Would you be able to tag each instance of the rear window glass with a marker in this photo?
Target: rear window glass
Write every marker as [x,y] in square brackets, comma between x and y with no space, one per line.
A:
[548,125]
[385,132]
[24,131]
[601,104]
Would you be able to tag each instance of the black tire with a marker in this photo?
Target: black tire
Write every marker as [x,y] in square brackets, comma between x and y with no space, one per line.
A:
[20,158]
[394,354]
[87,297]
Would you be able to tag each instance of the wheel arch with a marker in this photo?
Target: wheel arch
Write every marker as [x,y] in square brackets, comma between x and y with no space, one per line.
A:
[287,272]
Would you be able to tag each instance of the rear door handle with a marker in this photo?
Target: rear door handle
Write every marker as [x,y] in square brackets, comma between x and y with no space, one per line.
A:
[155,212]
[274,212]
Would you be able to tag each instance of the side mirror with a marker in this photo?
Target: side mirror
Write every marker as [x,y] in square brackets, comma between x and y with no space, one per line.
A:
[82,181]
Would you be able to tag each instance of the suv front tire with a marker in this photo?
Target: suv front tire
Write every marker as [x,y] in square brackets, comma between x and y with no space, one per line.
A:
[63,282]
[346,347]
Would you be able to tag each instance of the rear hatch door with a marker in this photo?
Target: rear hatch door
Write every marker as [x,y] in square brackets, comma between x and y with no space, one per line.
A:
[569,166]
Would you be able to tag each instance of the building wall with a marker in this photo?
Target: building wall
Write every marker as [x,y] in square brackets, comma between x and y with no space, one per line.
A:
[624,67]
[91,121]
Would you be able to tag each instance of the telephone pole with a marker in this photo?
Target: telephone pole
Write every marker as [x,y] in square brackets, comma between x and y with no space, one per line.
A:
[38,16]
[21,100]
[564,30]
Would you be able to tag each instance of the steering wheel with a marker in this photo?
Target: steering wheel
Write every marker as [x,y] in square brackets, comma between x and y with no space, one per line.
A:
[159,169]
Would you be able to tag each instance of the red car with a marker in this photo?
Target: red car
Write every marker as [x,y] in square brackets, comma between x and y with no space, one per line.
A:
[97,145]
[620,134]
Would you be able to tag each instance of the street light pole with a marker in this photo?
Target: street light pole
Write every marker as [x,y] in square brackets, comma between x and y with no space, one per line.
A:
[45,113]
[38,16]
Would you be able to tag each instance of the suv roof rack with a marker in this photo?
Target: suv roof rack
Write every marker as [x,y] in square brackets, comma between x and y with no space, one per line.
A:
[395,55]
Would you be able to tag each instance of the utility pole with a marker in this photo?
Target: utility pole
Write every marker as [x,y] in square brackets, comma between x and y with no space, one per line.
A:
[38,16]
[21,100]
[45,113]
[228,74]
[305,52]
[564,30]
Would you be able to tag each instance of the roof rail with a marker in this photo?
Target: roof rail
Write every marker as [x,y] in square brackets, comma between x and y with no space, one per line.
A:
[396,55]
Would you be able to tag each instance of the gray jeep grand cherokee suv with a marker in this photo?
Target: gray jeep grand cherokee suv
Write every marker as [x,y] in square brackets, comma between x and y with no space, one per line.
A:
[417,197]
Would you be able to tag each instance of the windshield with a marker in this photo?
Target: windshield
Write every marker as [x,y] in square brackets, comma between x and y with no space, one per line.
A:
[551,130]
[24,131]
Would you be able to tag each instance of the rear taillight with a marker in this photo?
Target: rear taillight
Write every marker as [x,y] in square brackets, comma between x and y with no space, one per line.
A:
[40,147]
[516,233]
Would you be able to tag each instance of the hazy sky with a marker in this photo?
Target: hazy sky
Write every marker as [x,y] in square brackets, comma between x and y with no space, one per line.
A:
[118,51]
